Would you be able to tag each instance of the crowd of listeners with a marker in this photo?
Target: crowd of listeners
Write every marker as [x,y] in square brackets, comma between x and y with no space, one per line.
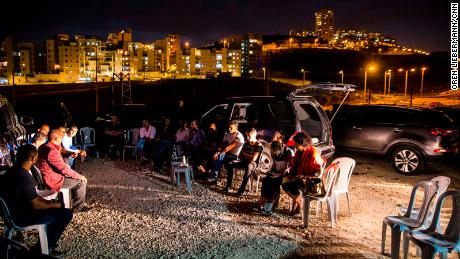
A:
[209,150]
[49,162]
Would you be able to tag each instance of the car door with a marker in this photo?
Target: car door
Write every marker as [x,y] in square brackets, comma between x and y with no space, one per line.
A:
[381,125]
[310,120]
[346,128]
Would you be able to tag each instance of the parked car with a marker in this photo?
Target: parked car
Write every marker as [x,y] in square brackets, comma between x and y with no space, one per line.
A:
[267,114]
[409,137]
[12,134]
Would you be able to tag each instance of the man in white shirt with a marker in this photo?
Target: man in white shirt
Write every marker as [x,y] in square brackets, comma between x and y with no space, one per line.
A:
[230,149]
[68,146]
[146,136]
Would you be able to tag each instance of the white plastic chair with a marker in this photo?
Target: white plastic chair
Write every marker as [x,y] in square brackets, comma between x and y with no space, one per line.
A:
[131,139]
[399,224]
[66,191]
[88,138]
[347,165]
[9,227]
[329,180]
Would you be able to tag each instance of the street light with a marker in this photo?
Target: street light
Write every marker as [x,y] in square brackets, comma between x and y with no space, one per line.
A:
[369,68]
[290,42]
[303,77]
[406,79]
[264,72]
[186,45]
[341,73]
[421,84]
[388,72]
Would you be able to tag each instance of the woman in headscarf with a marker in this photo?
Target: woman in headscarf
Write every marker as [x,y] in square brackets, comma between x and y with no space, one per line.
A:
[306,164]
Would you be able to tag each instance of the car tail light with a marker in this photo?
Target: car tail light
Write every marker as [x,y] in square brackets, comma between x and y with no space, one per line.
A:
[441,132]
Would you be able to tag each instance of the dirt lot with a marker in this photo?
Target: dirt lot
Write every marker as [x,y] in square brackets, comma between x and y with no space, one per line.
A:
[139,214]
[375,192]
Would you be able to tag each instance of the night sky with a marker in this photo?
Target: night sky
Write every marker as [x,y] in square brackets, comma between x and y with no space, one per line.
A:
[419,24]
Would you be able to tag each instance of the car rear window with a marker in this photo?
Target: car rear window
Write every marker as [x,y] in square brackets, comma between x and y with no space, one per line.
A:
[432,118]
[386,116]
[282,111]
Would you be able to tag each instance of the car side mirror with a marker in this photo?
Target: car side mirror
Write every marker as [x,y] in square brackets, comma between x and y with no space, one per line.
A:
[26,120]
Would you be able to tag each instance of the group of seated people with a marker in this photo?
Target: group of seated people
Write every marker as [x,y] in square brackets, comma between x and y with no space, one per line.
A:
[208,153]
[47,160]
[289,170]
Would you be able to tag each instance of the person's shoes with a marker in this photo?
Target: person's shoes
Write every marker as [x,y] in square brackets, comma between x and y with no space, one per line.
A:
[56,253]
[212,180]
[257,208]
[85,208]
[266,213]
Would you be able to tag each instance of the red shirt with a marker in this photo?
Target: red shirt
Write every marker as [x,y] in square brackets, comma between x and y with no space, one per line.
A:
[53,167]
[310,161]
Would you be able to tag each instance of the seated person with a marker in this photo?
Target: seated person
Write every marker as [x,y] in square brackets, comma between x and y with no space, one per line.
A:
[165,138]
[229,150]
[182,135]
[44,129]
[68,146]
[57,173]
[306,164]
[195,146]
[211,146]
[248,160]
[270,191]
[146,137]
[39,139]
[113,137]
[25,206]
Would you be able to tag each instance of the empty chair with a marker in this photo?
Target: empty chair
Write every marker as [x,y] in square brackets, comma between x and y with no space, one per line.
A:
[399,224]
[442,182]
[347,165]
[88,138]
[9,227]
[131,139]
[329,179]
[432,241]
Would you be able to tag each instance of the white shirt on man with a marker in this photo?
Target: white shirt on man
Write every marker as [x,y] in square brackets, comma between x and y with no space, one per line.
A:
[238,138]
[67,143]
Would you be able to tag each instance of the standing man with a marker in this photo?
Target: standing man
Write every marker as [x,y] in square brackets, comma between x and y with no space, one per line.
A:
[26,207]
[230,149]
[57,173]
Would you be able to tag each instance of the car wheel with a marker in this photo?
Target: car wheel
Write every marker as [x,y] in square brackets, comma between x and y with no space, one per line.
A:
[407,160]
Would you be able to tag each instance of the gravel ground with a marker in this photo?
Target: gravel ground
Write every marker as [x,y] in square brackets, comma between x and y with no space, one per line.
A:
[139,215]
